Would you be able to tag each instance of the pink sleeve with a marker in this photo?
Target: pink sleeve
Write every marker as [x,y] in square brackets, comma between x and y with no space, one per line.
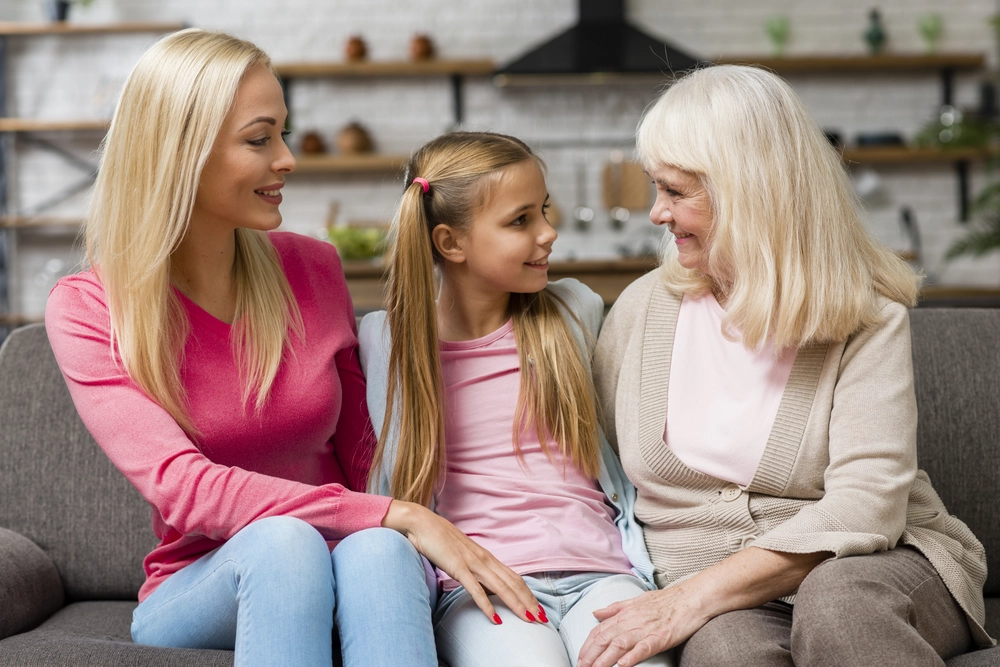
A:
[192,494]
[354,442]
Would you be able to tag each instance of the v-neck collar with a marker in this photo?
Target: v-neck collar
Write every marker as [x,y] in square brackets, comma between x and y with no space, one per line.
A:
[783,442]
[201,316]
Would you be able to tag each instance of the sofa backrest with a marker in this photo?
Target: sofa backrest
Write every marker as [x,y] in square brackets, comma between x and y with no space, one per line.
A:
[57,487]
[956,359]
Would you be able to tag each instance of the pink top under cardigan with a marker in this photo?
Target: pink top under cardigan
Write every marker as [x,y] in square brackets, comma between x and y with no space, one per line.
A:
[299,457]
[723,398]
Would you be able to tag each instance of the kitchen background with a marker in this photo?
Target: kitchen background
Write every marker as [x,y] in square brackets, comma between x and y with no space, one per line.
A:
[578,129]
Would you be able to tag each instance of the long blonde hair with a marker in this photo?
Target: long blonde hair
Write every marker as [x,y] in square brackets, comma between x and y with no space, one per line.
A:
[787,234]
[166,122]
[556,393]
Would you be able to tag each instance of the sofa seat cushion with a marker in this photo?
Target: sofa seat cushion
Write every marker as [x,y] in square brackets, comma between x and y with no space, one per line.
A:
[993,617]
[96,634]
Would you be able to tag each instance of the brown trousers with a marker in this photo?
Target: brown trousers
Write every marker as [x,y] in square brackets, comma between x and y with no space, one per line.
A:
[888,608]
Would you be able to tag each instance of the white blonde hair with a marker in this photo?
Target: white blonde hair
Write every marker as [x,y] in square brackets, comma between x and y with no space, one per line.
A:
[787,239]
[164,126]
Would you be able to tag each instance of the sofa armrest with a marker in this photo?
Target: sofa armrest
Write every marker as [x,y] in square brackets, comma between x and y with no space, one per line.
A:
[30,587]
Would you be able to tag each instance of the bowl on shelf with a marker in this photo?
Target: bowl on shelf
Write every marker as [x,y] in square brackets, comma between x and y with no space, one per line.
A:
[356,242]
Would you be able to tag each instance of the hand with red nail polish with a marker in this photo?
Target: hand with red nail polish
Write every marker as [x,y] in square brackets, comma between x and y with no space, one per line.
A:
[530,616]
[541,614]
[496,619]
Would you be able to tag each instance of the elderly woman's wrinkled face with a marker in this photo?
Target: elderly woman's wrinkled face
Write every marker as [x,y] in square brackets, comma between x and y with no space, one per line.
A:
[682,204]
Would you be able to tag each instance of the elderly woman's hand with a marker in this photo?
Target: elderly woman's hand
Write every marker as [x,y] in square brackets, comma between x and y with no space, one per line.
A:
[633,630]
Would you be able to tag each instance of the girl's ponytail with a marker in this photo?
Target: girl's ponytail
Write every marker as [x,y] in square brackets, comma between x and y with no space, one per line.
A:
[415,387]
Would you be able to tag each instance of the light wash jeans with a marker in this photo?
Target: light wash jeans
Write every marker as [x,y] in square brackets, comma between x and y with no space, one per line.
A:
[466,638]
[272,591]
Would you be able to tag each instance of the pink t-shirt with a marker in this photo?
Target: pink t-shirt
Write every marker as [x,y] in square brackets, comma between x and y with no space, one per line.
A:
[299,457]
[535,514]
[722,398]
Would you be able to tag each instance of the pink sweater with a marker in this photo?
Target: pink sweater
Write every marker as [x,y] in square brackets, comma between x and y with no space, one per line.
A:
[534,514]
[299,457]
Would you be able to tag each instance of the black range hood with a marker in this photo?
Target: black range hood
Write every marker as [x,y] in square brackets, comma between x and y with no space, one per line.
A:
[600,47]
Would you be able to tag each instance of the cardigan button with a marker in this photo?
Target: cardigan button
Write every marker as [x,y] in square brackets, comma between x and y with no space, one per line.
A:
[614,497]
[731,493]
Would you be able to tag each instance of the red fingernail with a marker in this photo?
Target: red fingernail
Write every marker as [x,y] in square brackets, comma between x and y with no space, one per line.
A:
[541,615]
[530,616]
[496,619]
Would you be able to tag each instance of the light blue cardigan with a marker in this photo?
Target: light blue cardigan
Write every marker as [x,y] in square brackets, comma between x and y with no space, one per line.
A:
[588,307]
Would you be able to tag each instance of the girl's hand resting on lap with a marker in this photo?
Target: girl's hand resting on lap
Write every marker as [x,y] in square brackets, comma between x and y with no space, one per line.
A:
[461,558]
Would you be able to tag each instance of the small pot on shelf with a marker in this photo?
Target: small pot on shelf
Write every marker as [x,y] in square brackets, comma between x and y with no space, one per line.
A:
[354,139]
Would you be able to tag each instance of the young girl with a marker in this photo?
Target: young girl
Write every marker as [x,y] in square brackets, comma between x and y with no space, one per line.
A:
[516,460]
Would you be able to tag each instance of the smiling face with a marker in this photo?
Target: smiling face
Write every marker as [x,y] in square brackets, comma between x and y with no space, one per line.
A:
[507,245]
[241,182]
[683,205]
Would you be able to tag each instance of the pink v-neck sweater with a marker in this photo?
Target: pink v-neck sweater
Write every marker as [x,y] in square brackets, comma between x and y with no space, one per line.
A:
[301,456]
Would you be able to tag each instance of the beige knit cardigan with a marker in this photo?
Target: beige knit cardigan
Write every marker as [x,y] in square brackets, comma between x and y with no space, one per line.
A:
[838,473]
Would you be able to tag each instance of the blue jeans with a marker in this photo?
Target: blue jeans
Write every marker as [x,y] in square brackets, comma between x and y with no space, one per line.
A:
[272,591]
[466,638]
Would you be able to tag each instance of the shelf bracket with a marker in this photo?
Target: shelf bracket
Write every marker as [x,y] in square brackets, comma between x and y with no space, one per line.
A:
[65,193]
[457,100]
[962,170]
[286,92]
[947,85]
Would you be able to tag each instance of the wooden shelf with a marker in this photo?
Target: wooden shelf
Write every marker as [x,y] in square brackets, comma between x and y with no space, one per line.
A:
[38,222]
[33,125]
[386,68]
[10,28]
[15,320]
[890,62]
[348,164]
[905,155]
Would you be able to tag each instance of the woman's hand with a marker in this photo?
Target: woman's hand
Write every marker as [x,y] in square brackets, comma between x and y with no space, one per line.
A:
[633,630]
[462,559]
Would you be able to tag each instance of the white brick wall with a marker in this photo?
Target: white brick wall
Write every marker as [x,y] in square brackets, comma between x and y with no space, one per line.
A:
[53,77]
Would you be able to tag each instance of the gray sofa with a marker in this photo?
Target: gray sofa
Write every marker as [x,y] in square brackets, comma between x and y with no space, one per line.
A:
[73,532]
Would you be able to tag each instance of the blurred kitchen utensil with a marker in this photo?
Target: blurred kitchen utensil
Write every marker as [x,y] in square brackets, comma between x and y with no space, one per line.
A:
[583,214]
[613,190]
[626,185]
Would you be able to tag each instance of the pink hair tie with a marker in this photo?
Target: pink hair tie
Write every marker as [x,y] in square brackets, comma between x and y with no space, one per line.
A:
[423,183]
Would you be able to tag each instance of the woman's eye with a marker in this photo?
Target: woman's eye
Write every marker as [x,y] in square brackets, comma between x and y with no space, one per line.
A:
[545,211]
[258,142]
[520,221]
[285,133]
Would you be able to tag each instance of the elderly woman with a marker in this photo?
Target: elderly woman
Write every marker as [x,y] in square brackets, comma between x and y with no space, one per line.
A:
[759,389]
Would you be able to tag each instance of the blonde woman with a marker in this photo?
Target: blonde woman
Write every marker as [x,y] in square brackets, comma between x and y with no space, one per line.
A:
[215,362]
[759,389]
[492,417]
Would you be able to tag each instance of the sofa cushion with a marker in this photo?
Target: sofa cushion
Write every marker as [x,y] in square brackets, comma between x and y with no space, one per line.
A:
[957,375]
[31,589]
[97,634]
[57,487]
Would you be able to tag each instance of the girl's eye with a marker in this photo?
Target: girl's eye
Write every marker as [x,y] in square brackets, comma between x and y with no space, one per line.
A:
[520,221]
[285,133]
[545,210]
